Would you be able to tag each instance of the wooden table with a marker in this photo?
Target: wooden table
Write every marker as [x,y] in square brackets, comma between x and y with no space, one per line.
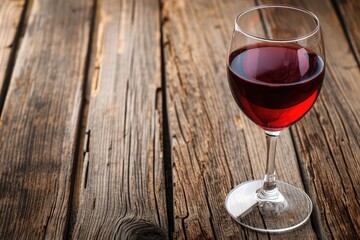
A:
[117,122]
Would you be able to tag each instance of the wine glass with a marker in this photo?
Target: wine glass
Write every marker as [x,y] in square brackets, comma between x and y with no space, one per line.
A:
[275,66]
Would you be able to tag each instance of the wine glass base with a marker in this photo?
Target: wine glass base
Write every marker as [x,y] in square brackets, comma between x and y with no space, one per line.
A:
[291,210]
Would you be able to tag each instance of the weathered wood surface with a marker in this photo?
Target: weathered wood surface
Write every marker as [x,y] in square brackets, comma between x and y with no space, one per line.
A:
[349,11]
[10,27]
[39,121]
[122,186]
[98,67]
[215,147]
[328,136]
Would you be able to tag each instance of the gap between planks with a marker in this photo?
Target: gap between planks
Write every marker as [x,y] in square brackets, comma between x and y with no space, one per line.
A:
[340,16]
[166,137]
[315,215]
[83,135]
[15,46]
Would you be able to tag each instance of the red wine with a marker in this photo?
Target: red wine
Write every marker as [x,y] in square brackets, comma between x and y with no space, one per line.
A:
[275,84]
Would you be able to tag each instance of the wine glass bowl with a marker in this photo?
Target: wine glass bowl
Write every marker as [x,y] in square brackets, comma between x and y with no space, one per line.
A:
[276,66]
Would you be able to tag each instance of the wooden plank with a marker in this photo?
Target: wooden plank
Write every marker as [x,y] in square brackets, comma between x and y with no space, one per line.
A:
[328,138]
[350,15]
[39,122]
[214,146]
[10,18]
[122,191]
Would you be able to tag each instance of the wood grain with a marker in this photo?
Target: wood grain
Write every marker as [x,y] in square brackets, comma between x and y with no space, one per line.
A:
[39,122]
[349,13]
[122,190]
[328,137]
[10,19]
[214,146]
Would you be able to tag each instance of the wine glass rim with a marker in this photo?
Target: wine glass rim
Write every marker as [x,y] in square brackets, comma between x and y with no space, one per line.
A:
[238,28]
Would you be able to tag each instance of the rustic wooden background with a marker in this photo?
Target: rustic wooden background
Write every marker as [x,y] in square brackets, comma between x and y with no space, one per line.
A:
[117,122]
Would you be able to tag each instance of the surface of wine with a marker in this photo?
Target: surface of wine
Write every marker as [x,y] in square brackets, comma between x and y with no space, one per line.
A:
[275,84]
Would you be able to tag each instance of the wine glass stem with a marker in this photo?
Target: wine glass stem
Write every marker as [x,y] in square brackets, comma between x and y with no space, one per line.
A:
[269,191]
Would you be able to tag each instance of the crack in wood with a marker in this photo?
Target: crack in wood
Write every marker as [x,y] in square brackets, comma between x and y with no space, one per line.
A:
[209,209]
[183,224]
[87,141]
[52,210]
[81,153]
[86,169]
[155,157]
[166,134]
